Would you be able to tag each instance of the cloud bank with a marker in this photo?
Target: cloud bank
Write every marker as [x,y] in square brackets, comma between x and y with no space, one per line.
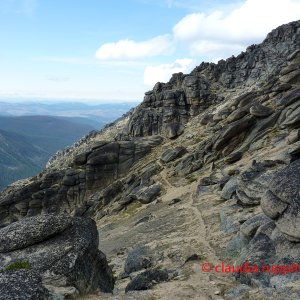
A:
[132,50]
[220,34]
[163,72]
[204,36]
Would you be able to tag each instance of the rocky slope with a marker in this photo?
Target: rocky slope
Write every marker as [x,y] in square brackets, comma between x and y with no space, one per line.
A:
[205,170]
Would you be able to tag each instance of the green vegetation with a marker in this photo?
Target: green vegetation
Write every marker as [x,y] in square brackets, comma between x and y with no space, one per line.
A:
[18,265]
[130,210]
[191,178]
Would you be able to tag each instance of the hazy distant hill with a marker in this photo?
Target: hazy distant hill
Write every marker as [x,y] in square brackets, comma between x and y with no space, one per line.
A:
[27,142]
[18,157]
[32,132]
[96,115]
[49,133]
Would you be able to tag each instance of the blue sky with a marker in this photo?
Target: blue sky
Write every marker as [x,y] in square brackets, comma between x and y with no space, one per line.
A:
[115,50]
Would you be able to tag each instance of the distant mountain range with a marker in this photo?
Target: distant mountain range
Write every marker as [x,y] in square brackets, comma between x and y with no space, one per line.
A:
[30,133]
[96,115]
[27,142]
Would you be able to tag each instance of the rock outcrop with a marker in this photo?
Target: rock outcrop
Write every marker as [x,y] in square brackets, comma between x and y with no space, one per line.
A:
[68,190]
[169,106]
[52,256]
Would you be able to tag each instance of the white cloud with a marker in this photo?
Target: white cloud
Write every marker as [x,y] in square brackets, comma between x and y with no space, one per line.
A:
[204,35]
[218,33]
[162,73]
[132,50]
[215,50]
[209,36]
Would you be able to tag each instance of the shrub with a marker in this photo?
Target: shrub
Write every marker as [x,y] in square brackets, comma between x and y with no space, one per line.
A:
[18,265]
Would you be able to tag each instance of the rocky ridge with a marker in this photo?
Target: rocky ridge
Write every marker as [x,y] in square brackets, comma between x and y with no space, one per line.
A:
[206,169]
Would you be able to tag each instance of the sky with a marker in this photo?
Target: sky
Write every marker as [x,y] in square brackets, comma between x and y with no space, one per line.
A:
[116,50]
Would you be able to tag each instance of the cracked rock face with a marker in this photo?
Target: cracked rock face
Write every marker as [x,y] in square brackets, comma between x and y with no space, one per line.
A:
[168,107]
[272,237]
[54,255]
[68,190]
[282,201]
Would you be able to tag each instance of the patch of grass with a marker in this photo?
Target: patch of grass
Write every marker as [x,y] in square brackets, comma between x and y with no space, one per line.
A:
[18,265]
[191,179]
[130,210]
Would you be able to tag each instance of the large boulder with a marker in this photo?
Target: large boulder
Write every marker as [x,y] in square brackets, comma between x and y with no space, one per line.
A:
[22,285]
[138,259]
[229,188]
[147,194]
[58,255]
[32,231]
[232,130]
[172,154]
[147,279]
[255,180]
[259,110]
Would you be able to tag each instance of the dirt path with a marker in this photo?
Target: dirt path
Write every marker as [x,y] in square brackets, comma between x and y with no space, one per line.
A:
[177,231]
[199,285]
